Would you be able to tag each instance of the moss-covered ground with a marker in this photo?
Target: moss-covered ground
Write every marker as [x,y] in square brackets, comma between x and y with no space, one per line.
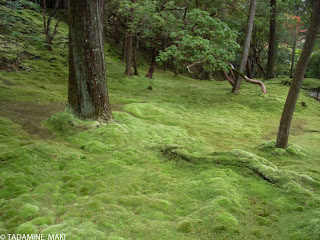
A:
[185,160]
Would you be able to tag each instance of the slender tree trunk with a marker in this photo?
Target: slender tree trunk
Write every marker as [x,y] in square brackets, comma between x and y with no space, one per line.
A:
[286,118]
[246,45]
[124,48]
[272,41]
[128,70]
[208,75]
[153,63]
[136,45]
[87,91]
[176,71]
[66,4]
[249,72]
[292,58]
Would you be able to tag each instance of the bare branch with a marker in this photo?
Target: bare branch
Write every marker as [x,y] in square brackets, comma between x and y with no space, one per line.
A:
[55,28]
[263,87]
[230,80]
[188,67]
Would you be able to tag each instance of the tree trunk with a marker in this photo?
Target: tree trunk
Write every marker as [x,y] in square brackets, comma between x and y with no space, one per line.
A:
[87,91]
[292,59]
[128,71]
[286,118]
[153,63]
[208,75]
[124,48]
[136,45]
[246,45]
[249,72]
[272,41]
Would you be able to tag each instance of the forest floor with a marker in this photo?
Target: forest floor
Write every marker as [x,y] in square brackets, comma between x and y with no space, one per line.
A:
[185,160]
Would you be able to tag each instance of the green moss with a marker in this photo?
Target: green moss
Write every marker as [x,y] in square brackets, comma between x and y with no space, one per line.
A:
[29,211]
[27,228]
[185,227]
[43,221]
[187,160]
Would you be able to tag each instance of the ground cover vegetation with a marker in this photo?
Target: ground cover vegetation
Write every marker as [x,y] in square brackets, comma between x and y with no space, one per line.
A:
[183,158]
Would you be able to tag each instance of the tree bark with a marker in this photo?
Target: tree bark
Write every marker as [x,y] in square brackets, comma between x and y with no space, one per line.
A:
[87,90]
[153,63]
[124,48]
[292,58]
[176,71]
[249,71]
[136,45]
[286,118]
[272,41]
[246,45]
[128,70]
[208,75]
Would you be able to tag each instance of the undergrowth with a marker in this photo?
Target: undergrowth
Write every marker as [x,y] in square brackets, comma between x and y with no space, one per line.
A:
[185,160]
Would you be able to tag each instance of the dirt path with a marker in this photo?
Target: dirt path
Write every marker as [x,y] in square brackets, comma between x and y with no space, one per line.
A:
[30,115]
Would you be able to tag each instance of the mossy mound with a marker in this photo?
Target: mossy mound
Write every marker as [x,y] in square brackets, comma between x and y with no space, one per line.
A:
[292,149]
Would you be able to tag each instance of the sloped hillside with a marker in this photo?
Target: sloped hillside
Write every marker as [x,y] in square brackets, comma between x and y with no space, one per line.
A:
[185,160]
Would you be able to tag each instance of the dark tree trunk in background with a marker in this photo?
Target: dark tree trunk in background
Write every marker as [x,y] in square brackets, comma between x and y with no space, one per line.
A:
[124,49]
[176,72]
[128,70]
[153,63]
[208,75]
[65,4]
[246,45]
[272,41]
[292,59]
[136,45]
[87,93]
[249,72]
[286,118]
[51,3]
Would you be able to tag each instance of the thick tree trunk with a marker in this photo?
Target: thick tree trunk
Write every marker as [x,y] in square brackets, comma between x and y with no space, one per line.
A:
[124,48]
[272,41]
[286,118]
[292,59]
[128,70]
[87,95]
[153,63]
[136,45]
[246,45]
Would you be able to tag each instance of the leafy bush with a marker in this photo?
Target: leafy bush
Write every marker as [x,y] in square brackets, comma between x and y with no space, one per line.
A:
[314,69]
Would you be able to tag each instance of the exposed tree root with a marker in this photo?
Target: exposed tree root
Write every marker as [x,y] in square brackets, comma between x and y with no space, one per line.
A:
[289,181]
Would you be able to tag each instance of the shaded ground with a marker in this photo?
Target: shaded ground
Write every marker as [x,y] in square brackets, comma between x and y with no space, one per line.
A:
[30,115]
